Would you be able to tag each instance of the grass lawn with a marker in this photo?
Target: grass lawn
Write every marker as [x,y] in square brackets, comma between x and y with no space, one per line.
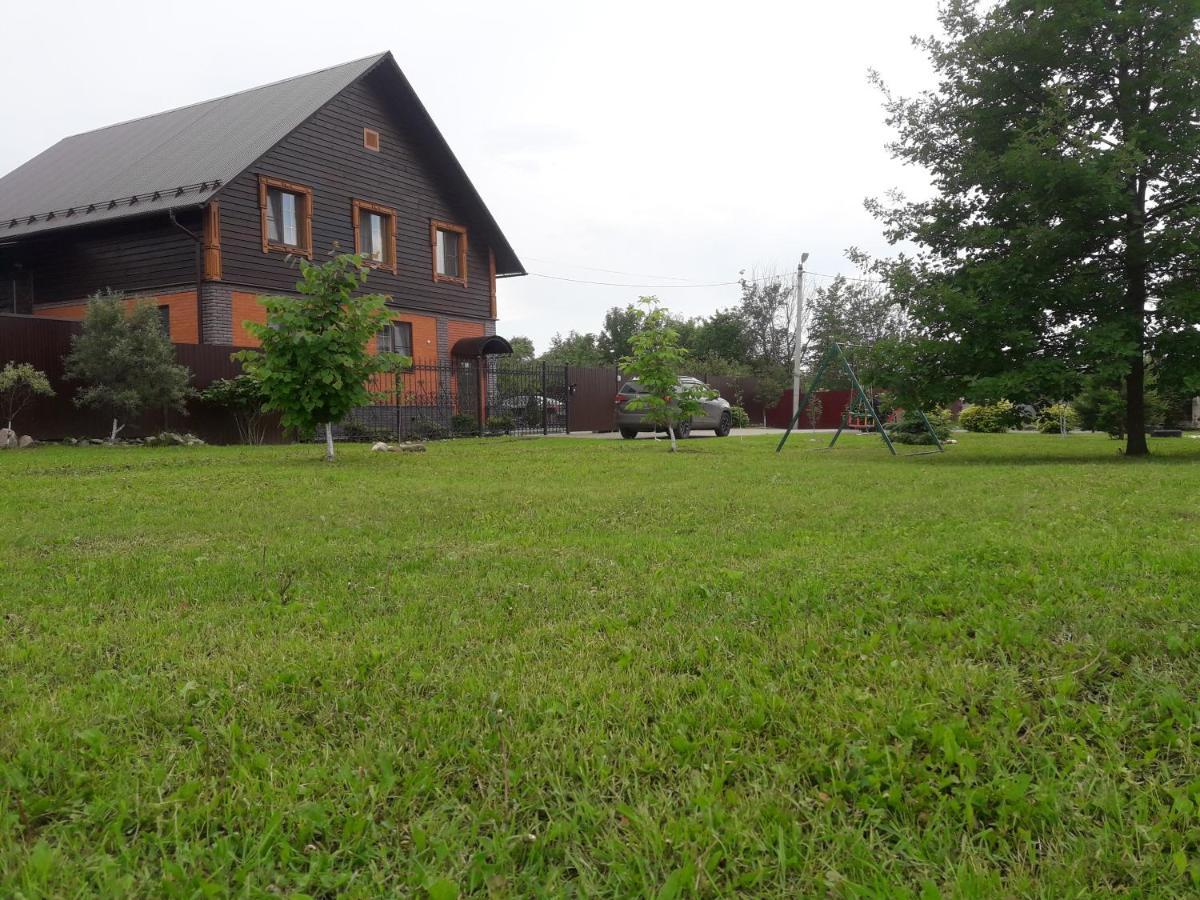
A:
[555,666]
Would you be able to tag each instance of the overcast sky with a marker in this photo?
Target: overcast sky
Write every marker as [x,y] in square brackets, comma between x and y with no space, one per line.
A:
[682,139]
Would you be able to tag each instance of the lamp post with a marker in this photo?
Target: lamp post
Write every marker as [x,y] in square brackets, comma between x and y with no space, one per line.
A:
[799,335]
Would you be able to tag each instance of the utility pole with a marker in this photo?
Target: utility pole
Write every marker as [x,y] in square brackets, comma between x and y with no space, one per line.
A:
[799,335]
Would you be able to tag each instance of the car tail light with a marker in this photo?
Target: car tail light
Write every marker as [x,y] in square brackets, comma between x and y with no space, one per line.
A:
[619,399]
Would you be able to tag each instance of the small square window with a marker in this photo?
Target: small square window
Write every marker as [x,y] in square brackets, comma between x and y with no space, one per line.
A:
[371,139]
[449,253]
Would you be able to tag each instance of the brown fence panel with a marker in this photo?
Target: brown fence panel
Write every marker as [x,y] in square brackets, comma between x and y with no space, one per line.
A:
[44,342]
[590,406]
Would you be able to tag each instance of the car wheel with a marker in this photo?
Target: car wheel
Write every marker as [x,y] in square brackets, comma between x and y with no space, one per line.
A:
[726,424]
[629,433]
[683,429]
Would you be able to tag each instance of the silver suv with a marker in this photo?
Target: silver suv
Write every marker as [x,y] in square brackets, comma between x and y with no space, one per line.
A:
[715,414]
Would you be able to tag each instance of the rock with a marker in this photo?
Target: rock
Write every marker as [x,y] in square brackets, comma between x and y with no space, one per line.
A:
[411,448]
[26,441]
[380,447]
[98,442]
[8,439]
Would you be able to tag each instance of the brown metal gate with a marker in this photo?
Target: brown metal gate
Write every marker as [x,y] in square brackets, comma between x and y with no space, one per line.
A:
[591,395]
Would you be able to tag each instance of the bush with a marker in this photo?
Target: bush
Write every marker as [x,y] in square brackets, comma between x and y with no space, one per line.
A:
[1053,418]
[741,418]
[358,431]
[20,384]
[428,430]
[462,423]
[243,398]
[909,429]
[989,418]
[502,424]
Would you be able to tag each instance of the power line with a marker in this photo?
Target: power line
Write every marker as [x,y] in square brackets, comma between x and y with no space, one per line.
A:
[690,284]
[609,271]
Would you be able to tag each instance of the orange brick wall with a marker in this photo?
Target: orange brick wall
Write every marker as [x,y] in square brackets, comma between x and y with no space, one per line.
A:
[185,317]
[459,330]
[246,308]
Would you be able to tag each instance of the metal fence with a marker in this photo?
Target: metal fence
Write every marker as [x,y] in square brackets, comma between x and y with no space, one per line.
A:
[458,398]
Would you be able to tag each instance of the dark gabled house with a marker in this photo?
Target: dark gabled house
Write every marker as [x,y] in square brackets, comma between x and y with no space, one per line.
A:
[199,209]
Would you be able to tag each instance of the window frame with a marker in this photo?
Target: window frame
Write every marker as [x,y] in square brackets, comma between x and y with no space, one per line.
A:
[436,225]
[371,137]
[357,207]
[303,220]
[164,319]
[389,334]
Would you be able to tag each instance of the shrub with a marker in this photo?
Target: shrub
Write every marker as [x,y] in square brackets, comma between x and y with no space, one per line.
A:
[741,418]
[462,423]
[501,424]
[909,429]
[243,398]
[1057,417]
[989,418]
[428,430]
[359,431]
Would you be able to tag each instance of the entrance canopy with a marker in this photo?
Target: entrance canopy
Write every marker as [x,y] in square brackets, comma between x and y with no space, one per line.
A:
[475,347]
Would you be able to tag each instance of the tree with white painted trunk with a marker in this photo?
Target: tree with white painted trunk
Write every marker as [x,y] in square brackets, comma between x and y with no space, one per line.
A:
[125,362]
[313,363]
[20,385]
[656,362]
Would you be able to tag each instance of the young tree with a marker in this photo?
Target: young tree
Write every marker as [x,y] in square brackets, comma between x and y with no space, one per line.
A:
[125,362]
[313,363]
[656,361]
[1063,141]
[20,383]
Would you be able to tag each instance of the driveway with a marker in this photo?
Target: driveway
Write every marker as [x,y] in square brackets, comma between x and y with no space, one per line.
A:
[696,435]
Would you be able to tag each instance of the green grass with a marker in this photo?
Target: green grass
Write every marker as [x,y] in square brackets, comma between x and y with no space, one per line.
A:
[555,666]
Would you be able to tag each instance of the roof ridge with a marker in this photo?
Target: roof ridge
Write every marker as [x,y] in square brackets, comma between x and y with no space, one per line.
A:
[371,56]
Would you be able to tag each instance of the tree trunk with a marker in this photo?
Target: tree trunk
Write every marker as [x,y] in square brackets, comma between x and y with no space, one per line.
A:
[329,442]
[671,432]
[115,432]
[1135,295]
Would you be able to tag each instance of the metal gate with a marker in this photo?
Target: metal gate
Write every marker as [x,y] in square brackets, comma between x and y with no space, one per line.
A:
[592,392]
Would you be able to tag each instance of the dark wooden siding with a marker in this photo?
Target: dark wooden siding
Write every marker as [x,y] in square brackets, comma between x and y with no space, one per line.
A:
[327,155]
[132,255]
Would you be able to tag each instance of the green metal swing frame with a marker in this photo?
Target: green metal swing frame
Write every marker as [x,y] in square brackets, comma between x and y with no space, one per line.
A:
[835,351]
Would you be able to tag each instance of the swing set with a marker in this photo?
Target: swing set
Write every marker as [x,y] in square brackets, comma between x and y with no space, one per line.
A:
[861,414]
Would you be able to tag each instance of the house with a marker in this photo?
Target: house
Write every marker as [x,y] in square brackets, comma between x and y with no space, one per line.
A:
[203,209]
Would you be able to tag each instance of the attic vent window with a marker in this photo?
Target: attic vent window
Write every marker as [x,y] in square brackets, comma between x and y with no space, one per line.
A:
[371,139]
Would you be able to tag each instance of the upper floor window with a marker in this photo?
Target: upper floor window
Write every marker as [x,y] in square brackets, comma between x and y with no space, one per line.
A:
[449,252]
[286,210]
[375,234]
[164,320]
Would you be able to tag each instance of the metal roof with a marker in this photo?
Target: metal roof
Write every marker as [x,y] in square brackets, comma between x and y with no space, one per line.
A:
[160,162]
[184,156]
[488,345]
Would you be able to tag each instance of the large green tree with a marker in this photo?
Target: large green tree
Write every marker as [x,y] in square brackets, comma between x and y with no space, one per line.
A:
[1062,239]
[313,365]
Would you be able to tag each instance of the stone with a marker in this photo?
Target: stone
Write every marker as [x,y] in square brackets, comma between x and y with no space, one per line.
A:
[8,439]
[380,447]
[411,448]
[25,441]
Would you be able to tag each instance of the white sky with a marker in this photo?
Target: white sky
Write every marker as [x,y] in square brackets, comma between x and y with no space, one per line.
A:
[683,139]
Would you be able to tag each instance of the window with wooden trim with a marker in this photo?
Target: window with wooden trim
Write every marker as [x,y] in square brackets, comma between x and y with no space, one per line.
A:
[164,320]
[286,210]
[449,245]
[375,234]
[371,139]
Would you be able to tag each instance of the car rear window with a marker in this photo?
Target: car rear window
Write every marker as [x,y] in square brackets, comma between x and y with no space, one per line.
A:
[631,388]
